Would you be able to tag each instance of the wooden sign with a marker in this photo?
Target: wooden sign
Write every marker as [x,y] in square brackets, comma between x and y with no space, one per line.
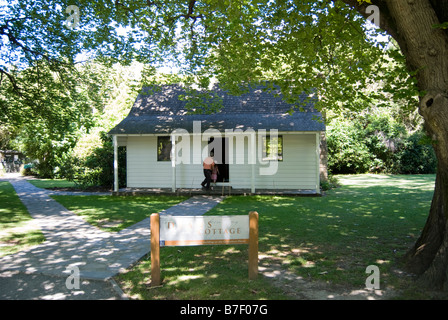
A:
[203,230]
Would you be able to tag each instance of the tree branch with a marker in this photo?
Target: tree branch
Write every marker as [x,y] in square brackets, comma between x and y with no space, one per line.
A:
[13,81]
[386,22]
[118,4]
[188,15]
[36,54]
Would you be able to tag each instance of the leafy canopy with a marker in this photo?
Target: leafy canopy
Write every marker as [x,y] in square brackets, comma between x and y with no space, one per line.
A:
[321,47]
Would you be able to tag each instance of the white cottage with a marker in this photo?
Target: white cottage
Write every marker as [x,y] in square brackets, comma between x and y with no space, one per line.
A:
[258,143]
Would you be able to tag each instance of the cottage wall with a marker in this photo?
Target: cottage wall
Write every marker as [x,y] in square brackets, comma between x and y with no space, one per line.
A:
[298,170]
[143,170]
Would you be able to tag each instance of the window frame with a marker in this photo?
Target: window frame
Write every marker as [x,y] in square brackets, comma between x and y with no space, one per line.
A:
[161,145]
[280,146]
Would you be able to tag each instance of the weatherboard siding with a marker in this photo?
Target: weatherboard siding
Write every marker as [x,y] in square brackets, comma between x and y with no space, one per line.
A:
[143,170]
[298,170]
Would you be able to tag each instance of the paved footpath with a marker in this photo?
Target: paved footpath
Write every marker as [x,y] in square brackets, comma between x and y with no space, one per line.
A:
[41,272]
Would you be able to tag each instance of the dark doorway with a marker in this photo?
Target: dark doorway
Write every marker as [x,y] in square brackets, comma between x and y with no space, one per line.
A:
[220,148]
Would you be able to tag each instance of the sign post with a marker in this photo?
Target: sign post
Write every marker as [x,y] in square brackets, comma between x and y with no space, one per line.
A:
[203,230]
[155,250]
[253,245]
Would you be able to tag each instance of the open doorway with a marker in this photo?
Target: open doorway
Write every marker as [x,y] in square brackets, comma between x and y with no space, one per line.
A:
[220,149]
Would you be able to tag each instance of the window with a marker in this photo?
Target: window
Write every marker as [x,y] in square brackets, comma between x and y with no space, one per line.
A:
[163,149]
[273,148]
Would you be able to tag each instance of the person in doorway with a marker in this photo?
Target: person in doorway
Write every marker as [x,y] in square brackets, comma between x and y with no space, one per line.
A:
[215,173]
[208,166]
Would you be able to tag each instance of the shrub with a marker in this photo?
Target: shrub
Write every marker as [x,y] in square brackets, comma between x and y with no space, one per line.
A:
[347,152]
[330,183]
[27,170]
[417,155]
[97,168]
[377,143]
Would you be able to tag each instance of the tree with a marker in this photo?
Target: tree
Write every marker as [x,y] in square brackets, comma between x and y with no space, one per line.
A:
[321,47]
[375,141]
[418,26]
[48,128]
[420,29]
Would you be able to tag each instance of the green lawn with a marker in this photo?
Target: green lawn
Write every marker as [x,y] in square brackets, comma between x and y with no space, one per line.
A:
[16,231]
[52,183]
[114,213]
[370,219]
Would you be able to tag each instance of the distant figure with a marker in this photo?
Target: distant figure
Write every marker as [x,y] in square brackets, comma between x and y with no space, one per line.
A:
[208,166]
[215,173]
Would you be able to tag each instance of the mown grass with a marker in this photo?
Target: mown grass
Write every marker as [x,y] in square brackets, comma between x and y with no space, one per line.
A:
[114,213]
[16,232]
[202,272]
[371,219]
[52,183]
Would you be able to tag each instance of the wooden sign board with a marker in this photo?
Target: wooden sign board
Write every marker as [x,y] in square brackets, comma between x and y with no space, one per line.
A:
[203,230]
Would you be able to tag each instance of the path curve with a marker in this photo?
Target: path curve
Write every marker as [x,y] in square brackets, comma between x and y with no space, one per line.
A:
[71,241]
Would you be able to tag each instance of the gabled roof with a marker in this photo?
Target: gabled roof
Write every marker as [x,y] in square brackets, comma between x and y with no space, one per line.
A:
[160,111]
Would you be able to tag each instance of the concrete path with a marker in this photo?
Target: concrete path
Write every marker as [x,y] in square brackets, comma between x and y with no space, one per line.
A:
[73,244]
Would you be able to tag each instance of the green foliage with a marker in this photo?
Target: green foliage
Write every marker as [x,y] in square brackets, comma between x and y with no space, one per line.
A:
[297,45]
[417,155]
[92,98]
[47,144]
[346,151]
[27,169]
[97,168]
[377,143]
[319,47]
[61,112]
[330,183]
[441,26]
[15,233]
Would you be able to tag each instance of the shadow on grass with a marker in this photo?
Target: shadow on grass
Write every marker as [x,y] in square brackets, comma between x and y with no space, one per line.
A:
[119,212]
[15,235]
[370,220]
[203,272]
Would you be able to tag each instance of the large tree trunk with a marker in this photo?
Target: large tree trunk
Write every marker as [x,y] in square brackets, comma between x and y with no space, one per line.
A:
[426,52]
[412,24]
[429,256]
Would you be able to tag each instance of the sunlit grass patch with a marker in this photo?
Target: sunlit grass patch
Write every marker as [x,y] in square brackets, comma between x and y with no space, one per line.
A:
[52,183]
[16,229]
[114,213]
[369,220]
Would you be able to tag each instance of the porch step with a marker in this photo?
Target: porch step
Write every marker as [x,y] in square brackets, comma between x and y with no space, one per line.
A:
[218,191]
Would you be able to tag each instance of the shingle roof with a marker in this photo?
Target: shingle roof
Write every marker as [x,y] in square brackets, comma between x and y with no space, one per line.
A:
[160,111]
